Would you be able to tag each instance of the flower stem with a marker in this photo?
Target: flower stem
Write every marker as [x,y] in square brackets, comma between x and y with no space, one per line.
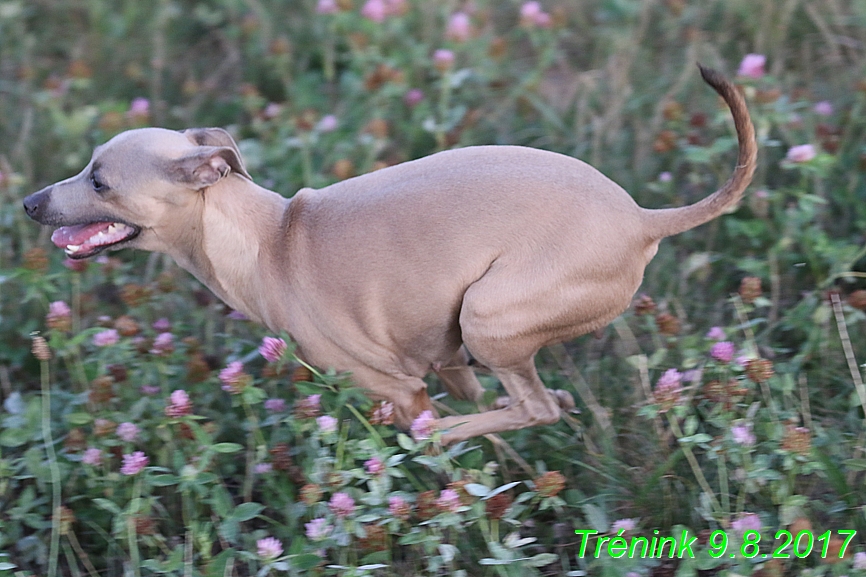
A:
[693,462]
[70,561]
[379,441]
[85,560]
[444,100]
[306,160]
[257,440]
[131,534]
[54,550]
[723,484]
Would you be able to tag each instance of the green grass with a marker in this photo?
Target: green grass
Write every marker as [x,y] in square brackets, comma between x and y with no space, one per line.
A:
[314,98]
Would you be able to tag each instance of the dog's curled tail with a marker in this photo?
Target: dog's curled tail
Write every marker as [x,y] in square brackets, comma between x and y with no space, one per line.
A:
[670,221]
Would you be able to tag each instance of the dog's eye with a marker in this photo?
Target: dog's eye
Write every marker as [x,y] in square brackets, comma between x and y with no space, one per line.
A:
[98,185]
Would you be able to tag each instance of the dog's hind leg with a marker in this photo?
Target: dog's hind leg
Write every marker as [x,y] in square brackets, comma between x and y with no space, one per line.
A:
[499,328]
[530,405]
[459,379]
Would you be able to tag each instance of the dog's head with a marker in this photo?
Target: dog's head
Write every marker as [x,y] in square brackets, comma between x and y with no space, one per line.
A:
[137,187]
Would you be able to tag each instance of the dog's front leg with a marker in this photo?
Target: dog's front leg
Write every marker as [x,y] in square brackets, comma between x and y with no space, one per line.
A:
[407,393]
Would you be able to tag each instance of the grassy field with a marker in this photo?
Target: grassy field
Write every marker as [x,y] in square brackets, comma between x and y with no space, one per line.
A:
[147,429]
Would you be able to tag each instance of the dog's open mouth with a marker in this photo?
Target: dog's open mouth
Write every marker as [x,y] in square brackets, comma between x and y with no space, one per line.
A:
[84,240]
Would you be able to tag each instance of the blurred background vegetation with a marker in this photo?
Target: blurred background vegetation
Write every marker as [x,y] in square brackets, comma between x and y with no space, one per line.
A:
[318,91]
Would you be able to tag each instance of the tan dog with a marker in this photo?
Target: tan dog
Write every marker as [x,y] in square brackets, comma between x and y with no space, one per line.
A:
[502,249]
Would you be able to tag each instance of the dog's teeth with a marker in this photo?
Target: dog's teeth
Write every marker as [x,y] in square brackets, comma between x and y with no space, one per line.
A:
[72,248]
[112,229]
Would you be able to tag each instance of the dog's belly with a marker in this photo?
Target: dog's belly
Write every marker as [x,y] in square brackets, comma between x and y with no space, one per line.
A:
[383,322]
[390,330]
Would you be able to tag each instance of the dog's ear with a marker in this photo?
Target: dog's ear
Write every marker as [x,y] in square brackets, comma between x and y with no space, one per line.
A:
[217,137]
[205,166]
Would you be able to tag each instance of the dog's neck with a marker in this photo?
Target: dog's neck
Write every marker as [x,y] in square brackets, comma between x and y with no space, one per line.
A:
[239,225]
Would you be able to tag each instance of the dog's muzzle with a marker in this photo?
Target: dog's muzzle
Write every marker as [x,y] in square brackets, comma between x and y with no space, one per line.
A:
[36,204]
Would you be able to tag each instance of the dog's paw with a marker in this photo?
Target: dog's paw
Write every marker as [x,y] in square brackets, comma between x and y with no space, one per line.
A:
[563,399]
[500,403]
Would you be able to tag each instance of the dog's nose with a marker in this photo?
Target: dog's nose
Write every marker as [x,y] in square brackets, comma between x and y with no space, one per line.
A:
[34,205]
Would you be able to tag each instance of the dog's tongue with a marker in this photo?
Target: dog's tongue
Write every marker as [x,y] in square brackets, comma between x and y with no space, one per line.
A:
[78,234]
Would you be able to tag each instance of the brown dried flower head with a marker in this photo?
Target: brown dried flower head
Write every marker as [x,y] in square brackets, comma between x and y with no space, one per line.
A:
[334,480]
[302,374]
[40,348]
[727,393]
[306,120]
[800,524]
[36,259]
[382,414]
[166,282]
[79,69]
[377,127]
[666,141]
[67,518]
[308,408]
[768,96]
[376,538]
[497,505]
[498,48]
[772,568]
[311,494]
[644,305]
[144,525]
[550,484]
[185,432]
[134,295]
[75,441]
[118,372]
[197,368]
[400,509]
[111,121]
[460,488]
[280,457]
[101,390]
[59,322]
[426,503]
[103,427]
[381,75]
[750,289]
[203,297]
[280,46]
[797,440]
[672,110]
[668,324]
[296,475]
[834,547]
[126,326]
[759,370]
[343,169]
